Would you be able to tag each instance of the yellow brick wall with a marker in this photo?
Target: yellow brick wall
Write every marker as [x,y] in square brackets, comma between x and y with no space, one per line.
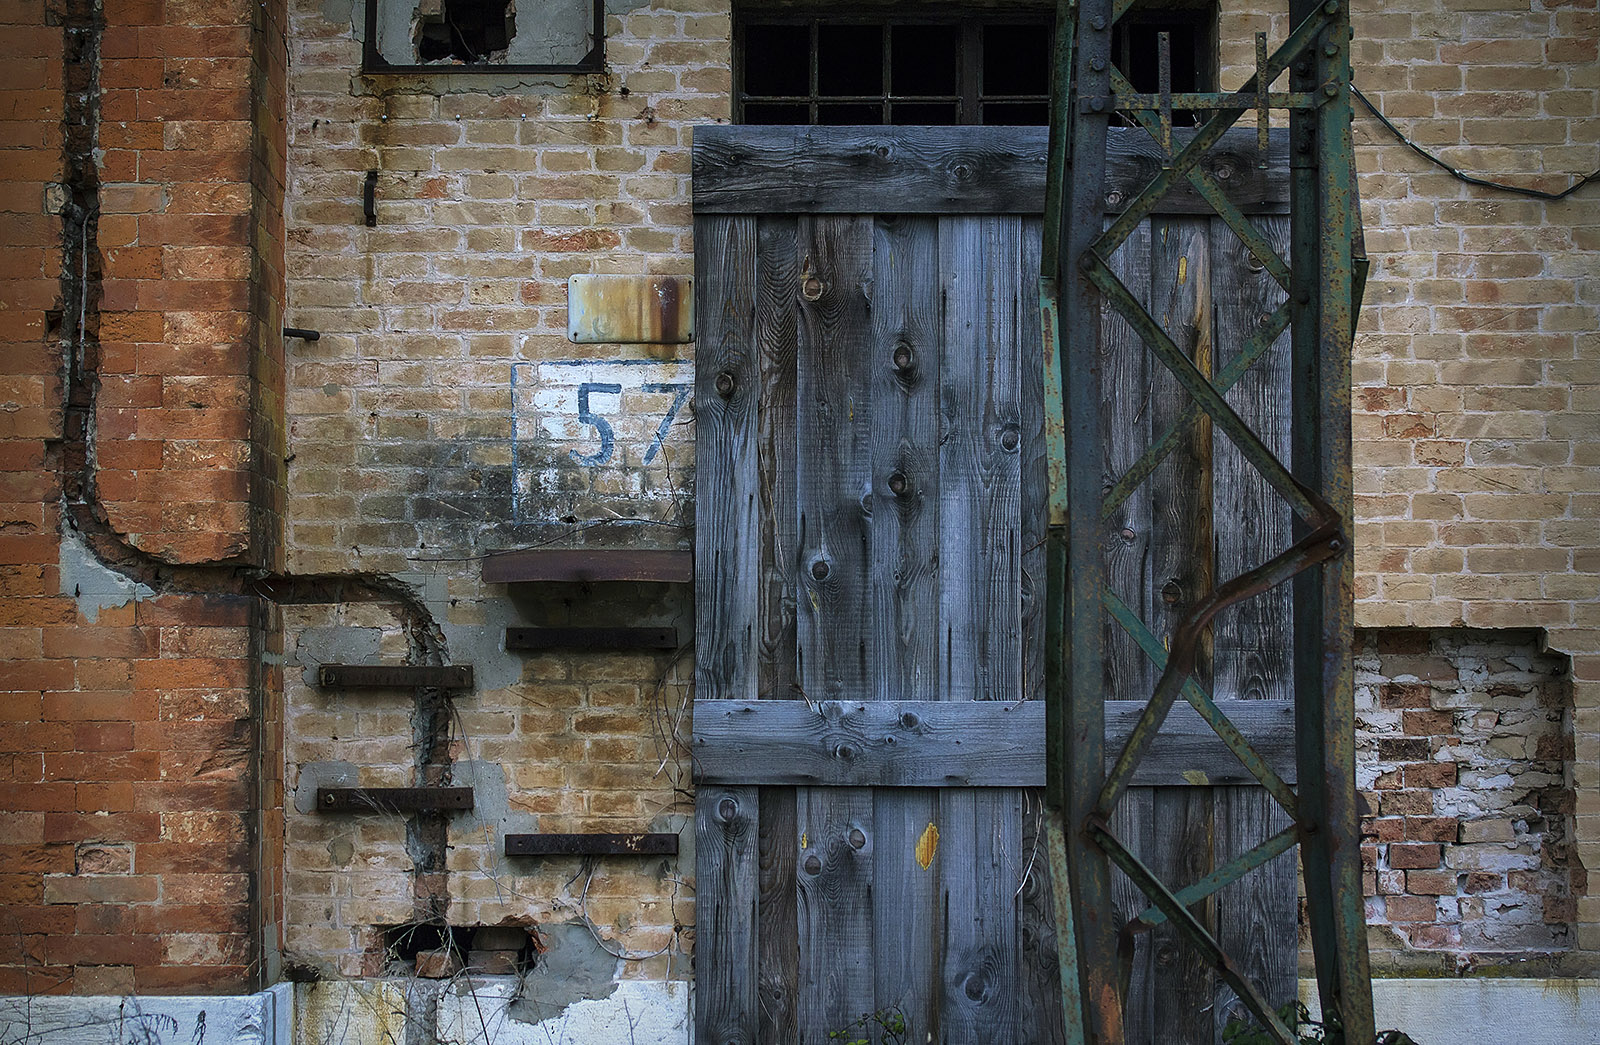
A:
[1477,469]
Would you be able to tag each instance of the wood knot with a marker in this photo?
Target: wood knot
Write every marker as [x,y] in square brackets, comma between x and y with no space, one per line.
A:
[813,865]
[1171,591]
[725,384]
[727,809]
[909,720]
[820,570]
[897,483]
[858,838]
[904,357]
[1010,440]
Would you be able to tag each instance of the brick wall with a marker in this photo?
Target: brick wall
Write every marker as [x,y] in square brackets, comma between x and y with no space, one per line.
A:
[135,699]
[437,418]
[1464,741]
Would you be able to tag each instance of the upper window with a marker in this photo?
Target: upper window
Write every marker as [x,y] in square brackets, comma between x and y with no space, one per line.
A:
[979,67]
[551,36]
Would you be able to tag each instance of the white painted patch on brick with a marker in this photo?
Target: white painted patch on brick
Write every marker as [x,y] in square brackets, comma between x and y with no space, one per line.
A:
[95,586]
[264,1018]
[639,1012]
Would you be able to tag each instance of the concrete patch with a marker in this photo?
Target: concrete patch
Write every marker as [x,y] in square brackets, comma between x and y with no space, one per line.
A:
[94,585]
[637,1012]
[1525,1011]
[265,1018]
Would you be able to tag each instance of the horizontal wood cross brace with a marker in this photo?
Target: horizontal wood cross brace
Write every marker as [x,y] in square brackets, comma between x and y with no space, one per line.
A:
[930,743]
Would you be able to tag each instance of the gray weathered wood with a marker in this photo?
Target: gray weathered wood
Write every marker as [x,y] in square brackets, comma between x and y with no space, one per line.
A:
[1133,821]
[901,632]
[1181,984]
[726,876]
[833,469]
[981,871]
[980,452]
[1126,422]
[950,170]
[1253,639]
[1035,476]
[1039,970]
[1256,916]
[835,909]
[777,297]
[956,743]
[726,819]
[726,525]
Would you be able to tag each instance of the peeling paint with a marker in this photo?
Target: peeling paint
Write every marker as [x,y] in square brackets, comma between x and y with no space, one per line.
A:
[94,586]
[927,846]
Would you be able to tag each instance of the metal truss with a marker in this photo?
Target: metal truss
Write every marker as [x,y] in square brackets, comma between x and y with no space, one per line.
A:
[1323,278]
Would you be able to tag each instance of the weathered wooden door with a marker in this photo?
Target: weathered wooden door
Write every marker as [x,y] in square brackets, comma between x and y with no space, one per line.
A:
[870,495]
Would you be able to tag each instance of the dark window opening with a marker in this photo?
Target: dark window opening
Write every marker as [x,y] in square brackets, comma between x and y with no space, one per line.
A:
[465,30]
[1192,34]
[488,950]
[976,67]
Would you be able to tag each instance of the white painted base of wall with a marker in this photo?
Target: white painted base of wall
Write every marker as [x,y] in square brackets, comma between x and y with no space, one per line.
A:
[1484,1011]
[265,1018]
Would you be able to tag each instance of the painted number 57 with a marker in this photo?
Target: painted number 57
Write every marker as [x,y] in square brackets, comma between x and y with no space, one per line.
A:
[608,436]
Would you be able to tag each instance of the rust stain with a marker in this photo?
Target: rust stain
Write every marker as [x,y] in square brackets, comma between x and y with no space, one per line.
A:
[619,309]
[927,845]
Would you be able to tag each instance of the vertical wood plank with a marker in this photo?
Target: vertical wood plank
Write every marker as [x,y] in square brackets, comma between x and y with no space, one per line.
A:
[1182,574]
[1035,473]
[902,629]
[1253,640]
[1126,420]
[1039,1019]
[1257,916]
[1182,982]
[777,310]
[833,466]
[1133,821]
[835,909]
[833,487]
[980,453]
[981,871]
[980,612]
[726,819]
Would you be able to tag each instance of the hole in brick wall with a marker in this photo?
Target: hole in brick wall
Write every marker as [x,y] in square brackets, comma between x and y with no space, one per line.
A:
[464,30]
[442,951]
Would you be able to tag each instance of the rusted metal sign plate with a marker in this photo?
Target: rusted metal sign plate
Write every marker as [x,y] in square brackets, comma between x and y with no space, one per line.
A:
[396,676]
[630,310]
[592,845]
[392,799]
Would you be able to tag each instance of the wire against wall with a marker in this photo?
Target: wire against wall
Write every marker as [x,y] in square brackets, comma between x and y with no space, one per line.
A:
[1538,194]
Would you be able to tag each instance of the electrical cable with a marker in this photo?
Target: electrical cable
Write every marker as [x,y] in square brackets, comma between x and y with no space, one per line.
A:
[1538,194]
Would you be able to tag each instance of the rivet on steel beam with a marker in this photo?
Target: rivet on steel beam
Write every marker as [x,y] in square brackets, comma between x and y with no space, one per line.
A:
[1303,296]
[819,569]
[1331,50]
[1098,22]
[1098,104]
[1331,90]
[1097,64]
[898,484]
[725,384]
[904,357]
[1336,545]
[1331,7]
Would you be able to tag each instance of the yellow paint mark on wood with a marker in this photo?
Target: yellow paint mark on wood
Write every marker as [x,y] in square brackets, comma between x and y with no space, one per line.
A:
[927,845]
[1183,270]
[802,840]
[1196,777]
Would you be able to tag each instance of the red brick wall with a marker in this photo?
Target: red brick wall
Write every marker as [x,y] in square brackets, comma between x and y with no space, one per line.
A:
[140,383]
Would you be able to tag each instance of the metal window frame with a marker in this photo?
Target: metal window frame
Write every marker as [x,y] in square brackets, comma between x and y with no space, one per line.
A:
[969,97]
[373,63]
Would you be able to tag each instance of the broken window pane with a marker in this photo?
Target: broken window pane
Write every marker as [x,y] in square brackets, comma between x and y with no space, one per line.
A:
[472,34]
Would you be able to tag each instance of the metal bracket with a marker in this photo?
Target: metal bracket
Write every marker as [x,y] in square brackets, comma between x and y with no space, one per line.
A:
[592,845]
[392,799]
[395,676]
